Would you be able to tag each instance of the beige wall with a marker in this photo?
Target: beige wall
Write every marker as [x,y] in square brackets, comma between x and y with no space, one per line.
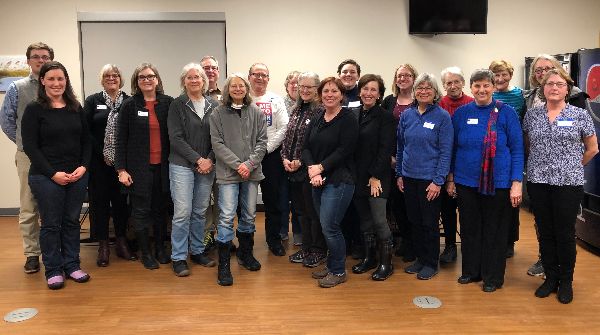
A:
[314,35]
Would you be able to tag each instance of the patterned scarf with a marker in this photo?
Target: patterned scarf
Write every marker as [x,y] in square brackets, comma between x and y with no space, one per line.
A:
[111,127]
[486,178]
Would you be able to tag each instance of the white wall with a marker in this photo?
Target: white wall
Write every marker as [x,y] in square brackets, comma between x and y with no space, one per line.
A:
[314,35]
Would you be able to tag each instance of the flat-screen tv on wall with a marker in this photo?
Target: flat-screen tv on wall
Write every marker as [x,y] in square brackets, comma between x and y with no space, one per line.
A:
[448,16]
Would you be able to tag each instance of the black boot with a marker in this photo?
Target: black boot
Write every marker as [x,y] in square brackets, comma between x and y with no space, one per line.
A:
[147,260]
[565,291]
[224,272]
[103,253]
[244,252]
[370,260]
[549,286]
[385,268]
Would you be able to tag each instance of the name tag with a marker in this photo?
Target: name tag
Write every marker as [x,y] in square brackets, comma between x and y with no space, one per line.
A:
[354,104]
[472,121]
[101,107]
[564,122]
[142,113]
[307,121]
[428,125]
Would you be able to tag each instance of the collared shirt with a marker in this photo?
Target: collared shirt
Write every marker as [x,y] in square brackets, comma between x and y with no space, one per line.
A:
[8,114]
[556,148]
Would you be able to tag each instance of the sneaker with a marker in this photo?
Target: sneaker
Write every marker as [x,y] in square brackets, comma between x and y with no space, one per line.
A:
[426,273]
[297,239]
[536,269]
[56,282]
[449,254]
[202,259]
[415,267]
[32,264]
[79,276]
[320,274]
[332,280]
[314,259]
[298,256]
[181,268]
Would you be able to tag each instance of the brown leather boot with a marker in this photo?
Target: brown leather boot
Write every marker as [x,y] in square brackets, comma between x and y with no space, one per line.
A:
[123,249]
[103,253]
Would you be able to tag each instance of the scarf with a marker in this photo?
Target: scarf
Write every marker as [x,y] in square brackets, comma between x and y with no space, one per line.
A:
[111,127]
[486,178]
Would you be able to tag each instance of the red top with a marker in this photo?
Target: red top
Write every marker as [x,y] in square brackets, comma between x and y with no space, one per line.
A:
[155,150]
[451,105]
[398,109]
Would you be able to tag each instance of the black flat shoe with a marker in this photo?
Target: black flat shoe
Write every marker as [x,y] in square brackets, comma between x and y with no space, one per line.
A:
[489,288]
[468,279]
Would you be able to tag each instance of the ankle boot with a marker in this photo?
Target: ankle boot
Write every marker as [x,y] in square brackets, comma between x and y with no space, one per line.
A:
[143,241]
[224,272]
[159,247]
[244,253]
[385,268]
[370,260]
[565,291]
[103,253]
[122,249]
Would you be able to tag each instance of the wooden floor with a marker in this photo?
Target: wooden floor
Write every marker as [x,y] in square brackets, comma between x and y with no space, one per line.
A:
[281,298]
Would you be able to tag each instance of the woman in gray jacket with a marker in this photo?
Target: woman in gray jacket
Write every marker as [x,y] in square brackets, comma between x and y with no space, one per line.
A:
[239,139]
[191,171]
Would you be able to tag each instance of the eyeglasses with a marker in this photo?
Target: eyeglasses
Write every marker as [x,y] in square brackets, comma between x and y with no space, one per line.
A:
[455,83]
[541,70]
[38,57]
[149,77]
[405,75]
[112,76]
[428,88]
[305,87]
[190,78]
[558,85]
[210,68]
[260,75]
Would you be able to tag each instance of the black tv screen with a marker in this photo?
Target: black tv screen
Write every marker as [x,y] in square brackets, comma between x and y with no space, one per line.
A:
[448,16]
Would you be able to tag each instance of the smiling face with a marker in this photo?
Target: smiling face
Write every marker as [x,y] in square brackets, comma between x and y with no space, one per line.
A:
[37,58]
[54,82]
[369,94]
[292,88]
[502,80]
[453,84]
[555,89]
[147,80]
[259,79]
[349,76]
[211,68]
[424,93]
[404,79]
[111,81]
[307,89]
[331,96]
[237,90]
[541,67]
[193,83]
[482,92]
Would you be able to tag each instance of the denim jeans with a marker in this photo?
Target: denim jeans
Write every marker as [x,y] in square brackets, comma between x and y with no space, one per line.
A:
[60,207]
[229,195]
[331,202]
[190,192]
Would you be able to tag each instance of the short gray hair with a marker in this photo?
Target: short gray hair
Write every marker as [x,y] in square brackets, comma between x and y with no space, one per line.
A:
[481,74]
[452,70]
[427,78]
[227,101]
[111,67]
[193,66]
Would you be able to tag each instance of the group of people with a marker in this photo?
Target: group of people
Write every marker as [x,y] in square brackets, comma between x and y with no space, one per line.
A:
[332,146]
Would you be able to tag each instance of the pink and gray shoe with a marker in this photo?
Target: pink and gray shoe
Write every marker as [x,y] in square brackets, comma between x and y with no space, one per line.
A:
[79,276]
[56,282]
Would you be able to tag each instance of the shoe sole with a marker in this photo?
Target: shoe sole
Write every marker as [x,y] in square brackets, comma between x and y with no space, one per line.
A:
[333,285]
[32,271]
[184,273]
[536,274]
[426,278]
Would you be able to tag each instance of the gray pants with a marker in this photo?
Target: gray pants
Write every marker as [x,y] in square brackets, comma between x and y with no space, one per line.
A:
[373,216]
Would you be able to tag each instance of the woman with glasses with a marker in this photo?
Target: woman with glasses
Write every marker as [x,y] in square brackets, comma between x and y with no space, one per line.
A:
[104,190]
[534,98]
[486,175]
[423,159]
[396,103]
[314,249]
[141,159]
[561,139]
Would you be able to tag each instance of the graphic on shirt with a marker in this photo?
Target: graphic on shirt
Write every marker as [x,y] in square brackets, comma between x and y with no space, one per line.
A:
[267,110]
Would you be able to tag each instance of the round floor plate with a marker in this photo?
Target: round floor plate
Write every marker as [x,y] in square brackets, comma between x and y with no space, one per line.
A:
[425,301]
[20,314]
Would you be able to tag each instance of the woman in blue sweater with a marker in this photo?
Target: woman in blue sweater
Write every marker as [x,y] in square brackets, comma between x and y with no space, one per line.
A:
[486,175]
[422,163]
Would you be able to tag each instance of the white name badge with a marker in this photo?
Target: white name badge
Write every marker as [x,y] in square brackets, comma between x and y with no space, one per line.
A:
[101,107]
[354,104]
[472,121]
[428,125]
[564,123]
[142,113]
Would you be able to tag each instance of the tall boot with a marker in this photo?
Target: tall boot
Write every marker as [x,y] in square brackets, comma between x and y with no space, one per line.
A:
[370,260]
[224,272]
[103,253]
[122,249]
[143,241]
[244,252]
[159,246]
[385,268]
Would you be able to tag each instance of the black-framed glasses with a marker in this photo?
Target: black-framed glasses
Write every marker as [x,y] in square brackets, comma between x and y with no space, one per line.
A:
[112,76]
[210,68]
[260,75]
[541,70]
[149,77]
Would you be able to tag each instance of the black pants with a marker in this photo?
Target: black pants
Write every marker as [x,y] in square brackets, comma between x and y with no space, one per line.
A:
[555,209]
[270,187]
[312,234]
[104,192]
[397,208]
[484,224]
[513,230]
[149,209]
[371,211]
[424,216]
[449,221]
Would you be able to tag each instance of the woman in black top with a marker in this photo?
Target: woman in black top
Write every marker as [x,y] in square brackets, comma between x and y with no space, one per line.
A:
[375,145]
[56,140]
[329,145]
[106,199]
[141,159]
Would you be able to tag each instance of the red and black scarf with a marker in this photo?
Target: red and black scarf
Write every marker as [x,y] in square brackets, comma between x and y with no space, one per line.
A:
[486,178]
